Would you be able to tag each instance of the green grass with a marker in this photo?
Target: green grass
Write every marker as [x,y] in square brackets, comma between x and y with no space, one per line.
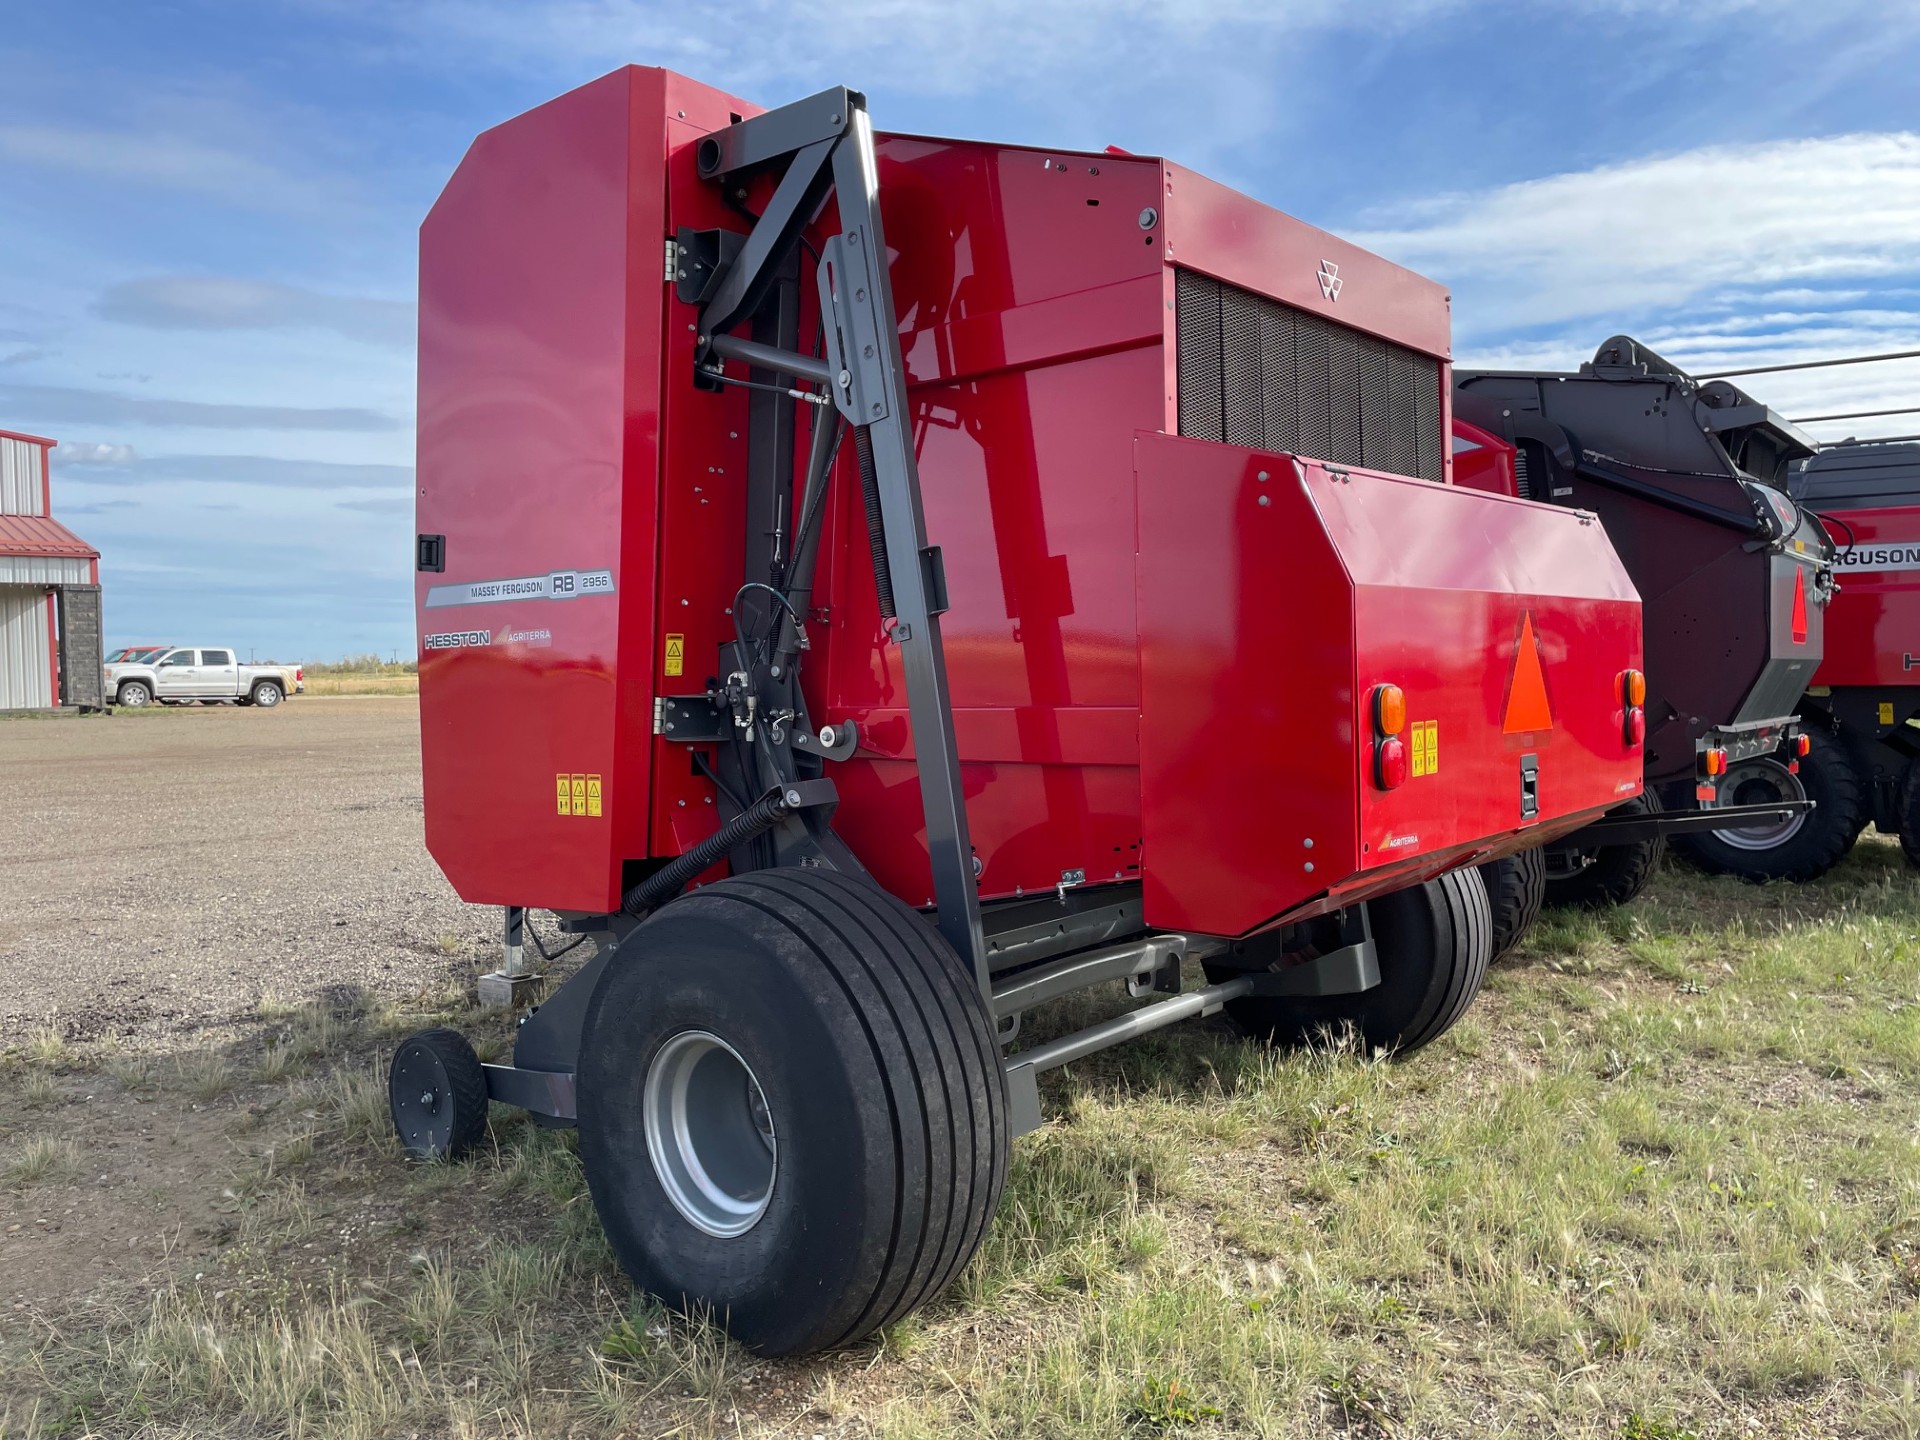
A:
[1662,1182]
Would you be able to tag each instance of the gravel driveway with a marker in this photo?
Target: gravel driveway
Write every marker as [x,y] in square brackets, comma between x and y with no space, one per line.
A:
[160,873]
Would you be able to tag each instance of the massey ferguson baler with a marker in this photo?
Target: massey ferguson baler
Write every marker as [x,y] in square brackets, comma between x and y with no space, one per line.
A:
[1690,480]
[880,584]
[1864,702]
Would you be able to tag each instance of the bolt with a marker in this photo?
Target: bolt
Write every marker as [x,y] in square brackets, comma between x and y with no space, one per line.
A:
[426,1097]
[681,803]
[846,379]
[793,797]
[1149,218]
[1309,867]
[1307,843]
[1261,476]
[1265,501]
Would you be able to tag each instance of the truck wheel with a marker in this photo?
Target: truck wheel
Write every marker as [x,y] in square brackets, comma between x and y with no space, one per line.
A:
[1801,848]
[1433,942]
[437,1095]
[792,1113]
[268,694]
[1516,887]
[1617,873]
[134,695]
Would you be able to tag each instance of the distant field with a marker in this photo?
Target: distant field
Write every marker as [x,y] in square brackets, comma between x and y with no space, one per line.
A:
[359,683]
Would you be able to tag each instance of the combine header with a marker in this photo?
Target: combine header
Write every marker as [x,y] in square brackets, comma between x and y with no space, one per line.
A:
[1689,479]
[878,584]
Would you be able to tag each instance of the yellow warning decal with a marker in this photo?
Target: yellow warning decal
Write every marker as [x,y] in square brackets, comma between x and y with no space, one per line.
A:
[676,654]
[1426,748]
[577,794]
[1886,712]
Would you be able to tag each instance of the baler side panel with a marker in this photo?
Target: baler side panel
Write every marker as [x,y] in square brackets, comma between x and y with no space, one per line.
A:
[1265,627]
[535,461]
[1874,635]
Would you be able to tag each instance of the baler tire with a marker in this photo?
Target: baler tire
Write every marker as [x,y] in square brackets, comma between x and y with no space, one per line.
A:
[454,1122]
[1910,813]
[1433,942]
[1619,872]
[1516,889]
[871,1073]
[1818,843]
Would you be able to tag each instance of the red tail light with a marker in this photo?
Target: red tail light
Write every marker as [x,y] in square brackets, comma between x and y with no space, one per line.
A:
[1636,726]
[1390,763]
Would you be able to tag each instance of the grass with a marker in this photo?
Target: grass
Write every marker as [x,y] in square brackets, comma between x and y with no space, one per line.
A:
[362,675]
[1662,1183]
[41,1159]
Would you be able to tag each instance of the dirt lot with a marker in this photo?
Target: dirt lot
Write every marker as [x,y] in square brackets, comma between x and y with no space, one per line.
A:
[164,872]
[1662,1183]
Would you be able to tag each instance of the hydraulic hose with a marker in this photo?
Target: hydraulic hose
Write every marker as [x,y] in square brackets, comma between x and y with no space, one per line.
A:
[876,528]
[670,879]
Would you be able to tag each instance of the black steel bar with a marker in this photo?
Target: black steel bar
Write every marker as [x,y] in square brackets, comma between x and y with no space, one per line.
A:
[1143,1021]
[1087,968]
[1859,415]
[784,360]
[776,134]
[756,268]
[1811,364]
[770,439]
[869,340]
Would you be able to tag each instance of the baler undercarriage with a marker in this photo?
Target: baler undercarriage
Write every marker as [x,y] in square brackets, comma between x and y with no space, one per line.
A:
[792,1054]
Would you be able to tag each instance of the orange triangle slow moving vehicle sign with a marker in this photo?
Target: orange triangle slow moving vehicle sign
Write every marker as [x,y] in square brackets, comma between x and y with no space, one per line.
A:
[1527,707]
[1799,606]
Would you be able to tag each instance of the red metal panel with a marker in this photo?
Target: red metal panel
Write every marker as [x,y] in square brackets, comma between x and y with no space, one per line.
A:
[1873,621]
[1257,666]
[41,535]
[1237,239]
[540,324]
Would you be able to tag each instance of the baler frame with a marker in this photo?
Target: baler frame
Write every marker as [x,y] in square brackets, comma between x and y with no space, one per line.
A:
[1019,958]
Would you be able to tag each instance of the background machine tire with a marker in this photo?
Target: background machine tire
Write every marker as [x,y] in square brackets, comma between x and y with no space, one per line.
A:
[830,1020]
[437,1095]
[1909,814]
[1807,846]
[1516,889]
[1618,873]
[1433,942]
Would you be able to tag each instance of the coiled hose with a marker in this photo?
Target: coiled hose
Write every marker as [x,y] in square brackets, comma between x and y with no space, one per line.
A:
[670,879]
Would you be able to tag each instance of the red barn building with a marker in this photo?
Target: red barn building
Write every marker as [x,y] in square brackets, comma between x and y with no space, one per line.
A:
[49,590]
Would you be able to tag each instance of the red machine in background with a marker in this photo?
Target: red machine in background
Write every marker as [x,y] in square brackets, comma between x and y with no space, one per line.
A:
[1688,477]
[875,531]
[1866,694]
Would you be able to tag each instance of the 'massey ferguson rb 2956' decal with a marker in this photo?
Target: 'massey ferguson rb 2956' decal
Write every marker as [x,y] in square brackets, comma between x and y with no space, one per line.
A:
[558,585]
[1869,557]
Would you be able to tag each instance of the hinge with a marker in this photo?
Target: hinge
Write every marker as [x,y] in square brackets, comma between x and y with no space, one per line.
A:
[660,701]
[673,261]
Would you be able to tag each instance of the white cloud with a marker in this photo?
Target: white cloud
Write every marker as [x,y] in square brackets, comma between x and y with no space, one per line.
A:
[80,452]
[1665,232]
[221,302]
[159,161]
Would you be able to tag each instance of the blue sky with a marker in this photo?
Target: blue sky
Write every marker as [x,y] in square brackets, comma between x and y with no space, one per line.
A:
[207,240]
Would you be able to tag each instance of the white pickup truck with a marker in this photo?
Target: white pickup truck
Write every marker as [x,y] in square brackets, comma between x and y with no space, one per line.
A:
[189,673]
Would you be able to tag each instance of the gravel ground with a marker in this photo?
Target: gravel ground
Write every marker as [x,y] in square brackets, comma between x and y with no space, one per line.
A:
[159,874]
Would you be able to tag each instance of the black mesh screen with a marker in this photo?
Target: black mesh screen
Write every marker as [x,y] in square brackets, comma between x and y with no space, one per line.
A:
[1254,372]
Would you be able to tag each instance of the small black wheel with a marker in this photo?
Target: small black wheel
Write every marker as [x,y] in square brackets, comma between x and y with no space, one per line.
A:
[437,1094]
[1803,847]
[792,1113]
[1516,888]
[1433,942]
[1614,874]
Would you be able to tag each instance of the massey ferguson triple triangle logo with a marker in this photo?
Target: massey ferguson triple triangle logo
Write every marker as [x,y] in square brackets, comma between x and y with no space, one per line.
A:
[1330,281]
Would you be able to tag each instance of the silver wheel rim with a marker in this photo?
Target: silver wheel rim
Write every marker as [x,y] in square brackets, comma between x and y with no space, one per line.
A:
[267,696]
[710,1133]
[1762,782]
[134,697]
